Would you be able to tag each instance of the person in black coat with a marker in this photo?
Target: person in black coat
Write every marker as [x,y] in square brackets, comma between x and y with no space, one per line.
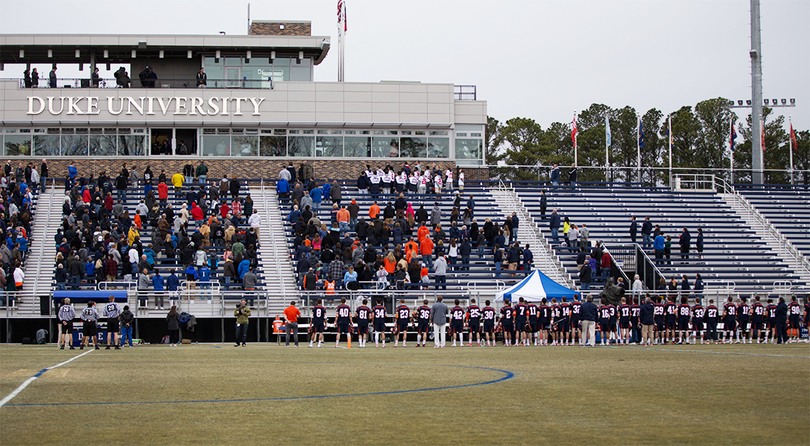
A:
[585,276]
[543,204]
[685,241]
[781,322]
[633,229]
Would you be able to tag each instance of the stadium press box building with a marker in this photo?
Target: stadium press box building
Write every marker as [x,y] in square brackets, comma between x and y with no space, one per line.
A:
[259,109]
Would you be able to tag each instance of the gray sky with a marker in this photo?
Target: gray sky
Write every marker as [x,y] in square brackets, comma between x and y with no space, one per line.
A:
[538,59]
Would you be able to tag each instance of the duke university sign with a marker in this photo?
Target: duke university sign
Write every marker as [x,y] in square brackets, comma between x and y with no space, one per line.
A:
[145,105]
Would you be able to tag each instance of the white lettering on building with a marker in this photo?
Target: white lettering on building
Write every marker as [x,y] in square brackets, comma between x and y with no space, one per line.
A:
[89,105]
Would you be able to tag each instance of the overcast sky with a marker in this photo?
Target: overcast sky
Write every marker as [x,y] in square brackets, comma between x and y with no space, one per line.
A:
[538,59]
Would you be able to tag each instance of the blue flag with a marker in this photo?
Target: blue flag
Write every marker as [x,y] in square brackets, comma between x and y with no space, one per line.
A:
[607,130]
[640,135]
[733,137]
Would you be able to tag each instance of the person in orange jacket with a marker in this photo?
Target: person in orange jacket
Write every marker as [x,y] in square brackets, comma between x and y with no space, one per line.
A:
[374,210]
[426,249]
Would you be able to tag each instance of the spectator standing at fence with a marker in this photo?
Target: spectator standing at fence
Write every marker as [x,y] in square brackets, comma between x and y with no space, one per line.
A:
[52,78]
[202,78]
[158,286]
[291,314]
[647,321]
[555,175]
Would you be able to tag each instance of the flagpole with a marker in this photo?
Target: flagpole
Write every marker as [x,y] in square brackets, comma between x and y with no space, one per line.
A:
[669,144]
[790,141]
[638,149]
[575,138]
[607,149]
[731,148]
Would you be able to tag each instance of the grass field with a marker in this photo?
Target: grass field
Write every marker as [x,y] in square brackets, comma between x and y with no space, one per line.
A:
[264,394]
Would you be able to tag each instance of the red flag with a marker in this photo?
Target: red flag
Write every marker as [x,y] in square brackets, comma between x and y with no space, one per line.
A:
[762,125]
[793,138]
[574,132]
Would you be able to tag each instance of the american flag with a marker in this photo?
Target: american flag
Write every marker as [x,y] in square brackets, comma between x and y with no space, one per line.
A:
[341,15]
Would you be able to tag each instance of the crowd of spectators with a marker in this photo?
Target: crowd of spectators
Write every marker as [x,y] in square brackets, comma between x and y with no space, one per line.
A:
[205,232]
[390,239]
[17,188]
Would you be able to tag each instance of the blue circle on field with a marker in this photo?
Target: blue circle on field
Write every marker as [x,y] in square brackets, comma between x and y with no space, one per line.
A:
[506,376]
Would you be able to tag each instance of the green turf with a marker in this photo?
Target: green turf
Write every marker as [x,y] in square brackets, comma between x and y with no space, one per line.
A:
[558,395]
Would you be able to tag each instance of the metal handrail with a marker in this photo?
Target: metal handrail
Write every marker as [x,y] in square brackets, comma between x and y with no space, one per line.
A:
[172,82]
[787,248]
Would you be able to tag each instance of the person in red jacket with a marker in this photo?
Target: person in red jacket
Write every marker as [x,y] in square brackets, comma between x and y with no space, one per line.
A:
[163,192]
[197,214]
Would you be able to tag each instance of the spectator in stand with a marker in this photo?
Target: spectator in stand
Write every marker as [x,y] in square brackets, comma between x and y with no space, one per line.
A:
[498,260]
[554,224]
[646,233]
[157,286]
[354,211]
[633,229]
[543,204]
[684,241]
[699,243]
[233,185]
[555,175]
[658,247]
[336,192]
[585,277]
[343,216]
[202,172]
[177,182]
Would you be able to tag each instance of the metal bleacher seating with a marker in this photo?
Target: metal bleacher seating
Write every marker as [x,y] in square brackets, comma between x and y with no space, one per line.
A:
[787,209]
[733,253]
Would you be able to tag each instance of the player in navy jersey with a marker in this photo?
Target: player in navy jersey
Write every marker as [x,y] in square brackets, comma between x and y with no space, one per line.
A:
[457,323]
[521,320]
[771,309]
[712,314]
[684,313]
[564,324]
[507,322]
[378,315]
[403,315]
[576,327]
[742,319]
[553,323]
[489,323]
[544,319]
[660,325]
[111,312]
[531,308]
[318,323]
[635,321]
[363,317]
[604,320]
[66,316]
[343,319]
[807,315]
[757,315]
[670,313]
[698,314]
[729,320]
[614,320]
[794,320]
[423,323]
[89,318]
[624,322]
[474,322]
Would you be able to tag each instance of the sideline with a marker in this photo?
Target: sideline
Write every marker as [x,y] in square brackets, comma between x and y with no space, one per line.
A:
[507,375]
[40,373]
[703,351]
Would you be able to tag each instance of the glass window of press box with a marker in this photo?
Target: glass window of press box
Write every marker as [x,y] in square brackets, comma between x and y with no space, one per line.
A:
[79,141]
[258,72]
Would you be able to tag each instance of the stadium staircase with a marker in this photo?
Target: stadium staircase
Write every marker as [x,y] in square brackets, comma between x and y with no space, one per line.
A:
[279,279]
[49,217]
[797,225]
[545,259]
[735,256]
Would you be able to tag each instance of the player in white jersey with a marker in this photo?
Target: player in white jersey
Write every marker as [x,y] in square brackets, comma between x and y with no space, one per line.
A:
[66,316]
[111,312]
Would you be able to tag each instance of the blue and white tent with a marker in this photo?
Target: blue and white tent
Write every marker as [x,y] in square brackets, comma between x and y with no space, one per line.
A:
[534,288]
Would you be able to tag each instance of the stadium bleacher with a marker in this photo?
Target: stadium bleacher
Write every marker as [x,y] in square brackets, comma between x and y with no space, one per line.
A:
[787,209]
[733,253]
